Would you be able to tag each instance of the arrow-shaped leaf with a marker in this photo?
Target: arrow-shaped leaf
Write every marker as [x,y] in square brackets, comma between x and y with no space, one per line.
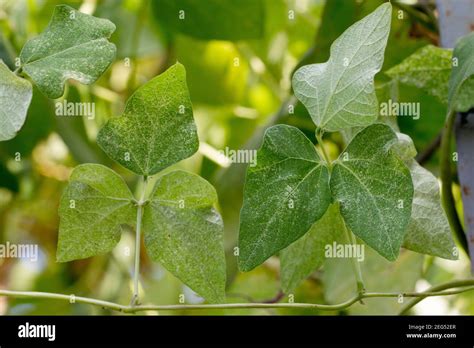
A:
[284,194]
[375,190]
[93,207]
[157,127]
[73,46]
[339,94]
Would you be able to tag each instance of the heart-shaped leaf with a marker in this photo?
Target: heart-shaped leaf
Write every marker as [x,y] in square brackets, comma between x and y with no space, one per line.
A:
[93,207]
[339,94]
[284,194]
[375,190]
[185,234]
[15,98]
[157,128]
[73,46]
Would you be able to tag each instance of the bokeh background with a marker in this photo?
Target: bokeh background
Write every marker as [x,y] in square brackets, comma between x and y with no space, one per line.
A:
[238,87]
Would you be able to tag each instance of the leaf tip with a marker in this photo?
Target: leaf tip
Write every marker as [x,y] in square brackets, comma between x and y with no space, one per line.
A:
[246,264]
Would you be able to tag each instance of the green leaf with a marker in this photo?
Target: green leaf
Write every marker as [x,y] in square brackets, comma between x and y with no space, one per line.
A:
[73,46]
[15,98]
[307,254]
[39,123]
[428,69]
[285,193]
[375,190]
[157,127]
[212,19]
[384,91]
[461,83]
[339,94]
[93,207]
[185,233]
[428,231]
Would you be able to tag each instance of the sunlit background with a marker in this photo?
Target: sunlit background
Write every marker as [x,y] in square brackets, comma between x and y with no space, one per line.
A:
[237,87]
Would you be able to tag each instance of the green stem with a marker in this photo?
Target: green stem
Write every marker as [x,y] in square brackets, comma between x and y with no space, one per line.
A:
[136,274]
[465,285]
[436,289]
[447,182]
[69,298]
[355,264]
[349,235]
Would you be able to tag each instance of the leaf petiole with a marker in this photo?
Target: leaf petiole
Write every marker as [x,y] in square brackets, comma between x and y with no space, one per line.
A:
[136,273]
[319,138]
[355,264]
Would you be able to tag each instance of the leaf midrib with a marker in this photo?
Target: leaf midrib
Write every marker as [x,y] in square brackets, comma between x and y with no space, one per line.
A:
[346,68]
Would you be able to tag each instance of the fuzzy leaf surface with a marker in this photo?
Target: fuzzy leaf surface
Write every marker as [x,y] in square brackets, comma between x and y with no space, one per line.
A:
[285,193]
[185,233]
[157,128]
[340,93]
[428,69]
[93,207]
[428,231]
[375,190]
[73,46]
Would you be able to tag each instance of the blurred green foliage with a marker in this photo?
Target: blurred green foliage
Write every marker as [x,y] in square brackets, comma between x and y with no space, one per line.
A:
[239,58]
